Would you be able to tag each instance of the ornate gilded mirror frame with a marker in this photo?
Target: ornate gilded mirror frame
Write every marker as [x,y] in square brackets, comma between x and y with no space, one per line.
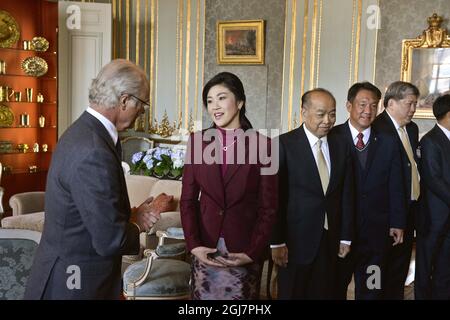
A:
[426,63]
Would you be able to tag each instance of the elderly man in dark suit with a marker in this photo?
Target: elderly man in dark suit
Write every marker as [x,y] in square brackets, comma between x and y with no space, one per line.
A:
[400,102]
[432,278]
[87,211]
[380,209]
[315,220]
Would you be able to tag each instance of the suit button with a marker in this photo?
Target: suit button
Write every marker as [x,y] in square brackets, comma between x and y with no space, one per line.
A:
[409,164]
[220,212]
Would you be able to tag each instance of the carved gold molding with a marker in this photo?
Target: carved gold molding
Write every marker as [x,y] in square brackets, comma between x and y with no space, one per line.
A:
[292,61]
[431,38]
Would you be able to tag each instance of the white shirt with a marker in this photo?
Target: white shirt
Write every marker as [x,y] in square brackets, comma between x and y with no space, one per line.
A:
[397,126]
[312,139]
[354,132]
[446,131]
[109,126]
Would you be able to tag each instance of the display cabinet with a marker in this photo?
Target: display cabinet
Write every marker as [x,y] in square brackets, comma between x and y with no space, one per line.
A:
[28,93]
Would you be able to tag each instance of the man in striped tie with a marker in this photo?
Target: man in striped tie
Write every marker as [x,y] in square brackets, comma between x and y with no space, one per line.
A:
[380,209]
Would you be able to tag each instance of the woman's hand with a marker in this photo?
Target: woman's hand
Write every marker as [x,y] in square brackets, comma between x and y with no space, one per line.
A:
[234,259]
[201,253]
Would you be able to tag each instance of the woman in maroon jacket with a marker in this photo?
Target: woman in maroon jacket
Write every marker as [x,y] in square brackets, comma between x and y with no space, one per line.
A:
[228,201]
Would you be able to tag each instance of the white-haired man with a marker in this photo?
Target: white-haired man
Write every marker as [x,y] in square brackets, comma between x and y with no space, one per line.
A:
[87,212]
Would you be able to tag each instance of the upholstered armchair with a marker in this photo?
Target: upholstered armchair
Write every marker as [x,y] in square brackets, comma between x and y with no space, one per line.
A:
[162,274]
[17,249]
[27,211]
[27,202]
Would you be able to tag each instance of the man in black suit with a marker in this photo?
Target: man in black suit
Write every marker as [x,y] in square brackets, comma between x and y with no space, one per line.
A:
[400,102]
[380,209]
[315,220]
[87,211]
[432,278]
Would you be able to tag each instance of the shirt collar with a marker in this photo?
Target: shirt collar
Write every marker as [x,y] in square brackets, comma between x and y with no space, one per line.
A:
[109,126]
[393,120]
[354,132]
[446,131]
[312,139]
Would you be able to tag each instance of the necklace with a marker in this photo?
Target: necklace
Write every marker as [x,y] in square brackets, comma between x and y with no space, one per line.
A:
[225,148]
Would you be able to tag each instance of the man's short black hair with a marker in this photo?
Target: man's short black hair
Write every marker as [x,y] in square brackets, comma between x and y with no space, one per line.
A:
[441,106]
[357,87]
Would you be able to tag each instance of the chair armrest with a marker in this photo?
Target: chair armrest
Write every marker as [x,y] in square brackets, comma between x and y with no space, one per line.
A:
[150,257]
[27,202]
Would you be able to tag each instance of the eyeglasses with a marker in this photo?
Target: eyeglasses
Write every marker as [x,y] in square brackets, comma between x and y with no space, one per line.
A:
[146,104]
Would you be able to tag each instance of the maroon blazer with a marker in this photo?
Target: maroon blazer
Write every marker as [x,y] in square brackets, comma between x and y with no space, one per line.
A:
[241,205]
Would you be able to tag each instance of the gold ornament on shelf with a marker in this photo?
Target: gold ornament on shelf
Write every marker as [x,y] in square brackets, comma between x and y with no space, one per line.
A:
[164,129]
[34,66]
[22,147]
[41,121]
[39,44]
[191,124]
[39,97]
[9,30]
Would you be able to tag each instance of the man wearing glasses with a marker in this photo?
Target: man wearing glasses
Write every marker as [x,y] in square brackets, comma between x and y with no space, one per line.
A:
[87,212]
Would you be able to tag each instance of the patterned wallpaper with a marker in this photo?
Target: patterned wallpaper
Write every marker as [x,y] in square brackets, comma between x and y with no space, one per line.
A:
[401,19]
[262,83]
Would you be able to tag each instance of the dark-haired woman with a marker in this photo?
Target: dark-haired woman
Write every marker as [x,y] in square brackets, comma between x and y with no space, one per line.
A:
[228,201]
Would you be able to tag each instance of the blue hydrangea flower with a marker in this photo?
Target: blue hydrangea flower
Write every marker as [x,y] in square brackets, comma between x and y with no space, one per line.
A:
[151,151]
[137,157]
[149,164]
[179,163]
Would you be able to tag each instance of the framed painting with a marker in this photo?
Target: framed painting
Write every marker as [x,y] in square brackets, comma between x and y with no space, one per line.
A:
[426,64]
[240,42]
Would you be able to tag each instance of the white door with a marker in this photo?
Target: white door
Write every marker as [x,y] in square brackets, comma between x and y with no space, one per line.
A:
[84,46]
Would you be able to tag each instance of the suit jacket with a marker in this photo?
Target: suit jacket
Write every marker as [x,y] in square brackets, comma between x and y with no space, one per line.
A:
[384,124]
[435,182]
[300,222]
[380,199]
[241,206]
[86,225]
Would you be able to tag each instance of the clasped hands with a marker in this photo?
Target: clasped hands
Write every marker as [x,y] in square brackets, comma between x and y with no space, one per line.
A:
[210,257]
[143,215]
[280,254]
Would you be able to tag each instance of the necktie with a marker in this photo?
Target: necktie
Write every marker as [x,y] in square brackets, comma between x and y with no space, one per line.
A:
[119,148]
[415,185]
[360,143]
[323,173]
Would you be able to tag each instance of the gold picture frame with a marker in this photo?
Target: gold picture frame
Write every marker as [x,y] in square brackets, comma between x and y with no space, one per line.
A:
[240,42]
[426,64]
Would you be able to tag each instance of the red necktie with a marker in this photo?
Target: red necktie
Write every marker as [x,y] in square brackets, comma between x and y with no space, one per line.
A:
[360,144]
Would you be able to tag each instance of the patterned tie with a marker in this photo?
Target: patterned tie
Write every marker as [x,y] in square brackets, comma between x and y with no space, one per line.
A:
[323,173]
[360,143]
[415,185]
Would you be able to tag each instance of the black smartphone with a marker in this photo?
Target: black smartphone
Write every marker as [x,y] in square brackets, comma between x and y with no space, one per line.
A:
[213,255]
